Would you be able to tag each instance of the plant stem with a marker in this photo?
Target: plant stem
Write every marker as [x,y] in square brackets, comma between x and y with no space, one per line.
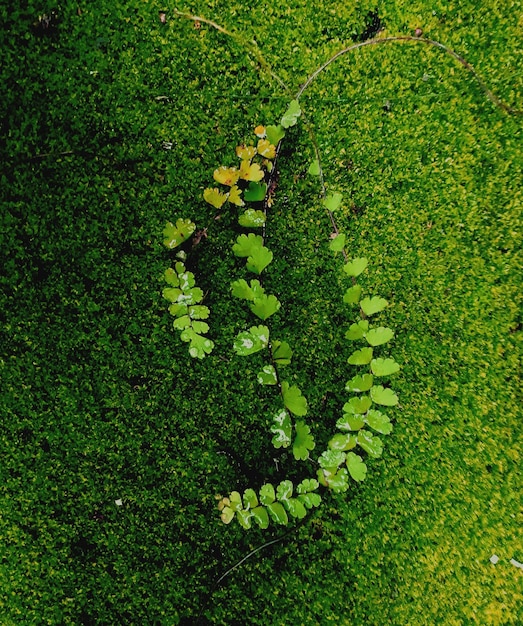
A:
[408,38]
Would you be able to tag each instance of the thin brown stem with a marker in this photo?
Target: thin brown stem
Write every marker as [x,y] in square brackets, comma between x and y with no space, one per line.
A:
[408,38]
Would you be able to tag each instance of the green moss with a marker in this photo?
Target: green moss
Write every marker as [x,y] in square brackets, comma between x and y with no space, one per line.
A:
[113,124]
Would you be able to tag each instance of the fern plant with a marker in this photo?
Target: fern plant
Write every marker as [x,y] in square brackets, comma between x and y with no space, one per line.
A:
[184,296]
[249,187]
[363,419]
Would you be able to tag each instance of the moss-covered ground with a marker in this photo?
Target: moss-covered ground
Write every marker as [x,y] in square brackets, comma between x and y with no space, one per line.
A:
[112,124]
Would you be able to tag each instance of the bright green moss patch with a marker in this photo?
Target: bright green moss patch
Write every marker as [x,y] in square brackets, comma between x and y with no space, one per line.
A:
[115,442]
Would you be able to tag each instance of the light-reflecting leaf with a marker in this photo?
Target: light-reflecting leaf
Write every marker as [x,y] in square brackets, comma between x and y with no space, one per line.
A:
[370,443]
[245,153]
[284,490]
[373,305]
[361,357]
[251,341]
[171,293]
[244,518]
[267,376]
[215,197]
[196,295]
[291,115]
[295,508]
[278,513]
[267,494]
[246,244]
[338,243]
[303,442]
[191,296]
[259,259]
[176,234]
[293,399]
[235,500]
[307,485]
[265,306]
[360,383]
[337,481]
[199,346]
[352,295]
[383,395]
[252,219]
[350,421]
[182,322]
[266,149]
[357,330]
[199,312]
[356,466]
[275,134]
[378,421]
[356,266]
[281,352]
[379,336]
[331,458]
[343,442]
[357,405]
[384,367]
[260,516]
[226,175]
[250,499]
[282,429]
[177,309]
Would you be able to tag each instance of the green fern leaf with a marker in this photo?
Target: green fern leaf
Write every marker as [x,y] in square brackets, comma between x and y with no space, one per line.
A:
[293,399]
[259,259]
[265,306]
[356,266]
[251,341]
[356,466]
[384,367]
[303,442]
[246,244]
[383,395]
[282,429]
[176,234]
[373,305]
[379,336]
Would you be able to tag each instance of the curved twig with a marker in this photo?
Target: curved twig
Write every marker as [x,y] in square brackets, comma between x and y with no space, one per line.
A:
[251,45]
[430,42]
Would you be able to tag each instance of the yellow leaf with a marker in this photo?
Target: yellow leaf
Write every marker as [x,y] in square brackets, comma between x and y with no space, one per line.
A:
[259,131]
[245,152]
[266,149]
[226,175]
[251,171]
[235,196]
[214,197]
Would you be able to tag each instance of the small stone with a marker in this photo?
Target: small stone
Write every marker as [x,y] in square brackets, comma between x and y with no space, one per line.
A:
[494,559]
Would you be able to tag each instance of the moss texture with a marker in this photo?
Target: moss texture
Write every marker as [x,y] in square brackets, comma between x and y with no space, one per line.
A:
[112,124]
